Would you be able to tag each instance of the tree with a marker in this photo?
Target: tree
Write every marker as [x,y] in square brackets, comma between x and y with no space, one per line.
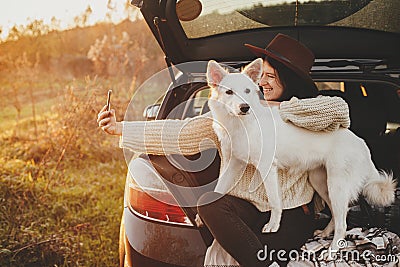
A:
[82,20]
[55,24]
[111,9]
[14,34]
[130,12]
[36,28]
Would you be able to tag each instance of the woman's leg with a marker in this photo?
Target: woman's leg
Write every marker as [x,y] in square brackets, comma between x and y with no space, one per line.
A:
[236,224]
[229,219]
[297,225]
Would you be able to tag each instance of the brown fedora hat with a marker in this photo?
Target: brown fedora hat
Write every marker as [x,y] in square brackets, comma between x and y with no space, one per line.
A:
[289,52]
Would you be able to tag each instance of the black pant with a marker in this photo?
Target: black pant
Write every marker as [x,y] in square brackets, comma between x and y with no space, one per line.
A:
[236,224]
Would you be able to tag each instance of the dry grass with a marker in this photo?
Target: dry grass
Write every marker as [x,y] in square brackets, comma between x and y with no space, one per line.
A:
[61,185]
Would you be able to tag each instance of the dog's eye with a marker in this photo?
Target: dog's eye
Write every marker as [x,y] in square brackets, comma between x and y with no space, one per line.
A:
[229,92]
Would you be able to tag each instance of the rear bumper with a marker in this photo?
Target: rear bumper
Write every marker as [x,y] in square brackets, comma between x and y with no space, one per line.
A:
[164,244]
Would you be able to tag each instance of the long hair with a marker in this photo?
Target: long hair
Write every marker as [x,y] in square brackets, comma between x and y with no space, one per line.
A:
[292,83]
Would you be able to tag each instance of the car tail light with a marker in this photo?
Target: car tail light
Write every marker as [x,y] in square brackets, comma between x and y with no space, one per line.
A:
[154,202]
[155,205]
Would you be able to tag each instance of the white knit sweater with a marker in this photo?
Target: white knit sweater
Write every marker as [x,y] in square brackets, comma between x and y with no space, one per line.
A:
[193,135]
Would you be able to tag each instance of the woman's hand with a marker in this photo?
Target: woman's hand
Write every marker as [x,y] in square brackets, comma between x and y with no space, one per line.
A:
[108,122]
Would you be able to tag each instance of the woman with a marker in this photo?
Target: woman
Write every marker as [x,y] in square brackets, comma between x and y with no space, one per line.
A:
[236,219]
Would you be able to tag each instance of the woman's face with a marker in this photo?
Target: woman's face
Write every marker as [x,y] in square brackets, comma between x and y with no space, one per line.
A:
[270,83]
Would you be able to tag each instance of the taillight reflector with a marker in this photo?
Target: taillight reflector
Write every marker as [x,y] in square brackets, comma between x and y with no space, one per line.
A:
[160,205]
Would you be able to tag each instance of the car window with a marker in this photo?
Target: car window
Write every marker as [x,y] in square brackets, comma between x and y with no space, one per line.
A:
[220,16]
[197,103]
[374,106]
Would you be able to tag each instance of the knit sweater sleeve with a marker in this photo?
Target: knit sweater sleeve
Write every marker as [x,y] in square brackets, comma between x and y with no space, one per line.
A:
[163,137]
[322,113]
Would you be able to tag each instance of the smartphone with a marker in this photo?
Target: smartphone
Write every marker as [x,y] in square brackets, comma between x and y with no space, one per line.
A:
[108,99]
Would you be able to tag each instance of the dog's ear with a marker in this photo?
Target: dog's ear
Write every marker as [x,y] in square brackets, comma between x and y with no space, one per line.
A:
[215,73]
[254,70]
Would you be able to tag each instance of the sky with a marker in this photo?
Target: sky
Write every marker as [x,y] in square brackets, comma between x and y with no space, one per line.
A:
[20,12]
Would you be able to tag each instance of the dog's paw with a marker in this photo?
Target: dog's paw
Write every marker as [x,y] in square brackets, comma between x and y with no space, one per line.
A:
[198,221]
[328,255]
[270,228]
[318,232]
[321,233]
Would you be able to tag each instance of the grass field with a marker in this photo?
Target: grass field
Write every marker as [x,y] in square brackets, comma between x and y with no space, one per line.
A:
[61,178]
[61,187]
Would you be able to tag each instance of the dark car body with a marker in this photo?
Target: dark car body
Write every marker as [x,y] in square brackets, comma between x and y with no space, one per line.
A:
[359,64]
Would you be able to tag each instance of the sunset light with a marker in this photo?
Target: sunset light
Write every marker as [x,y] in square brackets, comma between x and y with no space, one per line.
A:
[21,12]
[58,59]
[113,144]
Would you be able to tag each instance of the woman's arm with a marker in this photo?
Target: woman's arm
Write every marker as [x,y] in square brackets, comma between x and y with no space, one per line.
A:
[322,113]
[193,135]
[161,137]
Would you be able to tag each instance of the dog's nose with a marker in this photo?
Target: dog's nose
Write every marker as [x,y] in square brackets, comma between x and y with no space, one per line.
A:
[244,108]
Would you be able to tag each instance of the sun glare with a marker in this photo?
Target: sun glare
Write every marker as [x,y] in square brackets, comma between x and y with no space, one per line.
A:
[23,11]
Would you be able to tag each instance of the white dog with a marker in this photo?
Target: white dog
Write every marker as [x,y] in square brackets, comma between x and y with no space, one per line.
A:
[339,162]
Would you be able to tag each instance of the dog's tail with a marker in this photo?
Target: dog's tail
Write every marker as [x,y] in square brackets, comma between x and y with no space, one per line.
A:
[380,190]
